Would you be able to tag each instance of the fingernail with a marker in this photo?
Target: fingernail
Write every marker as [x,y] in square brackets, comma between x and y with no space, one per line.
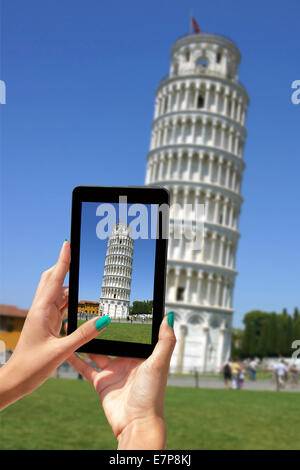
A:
[64,321]
[102,322]
[171,319]
[65,240]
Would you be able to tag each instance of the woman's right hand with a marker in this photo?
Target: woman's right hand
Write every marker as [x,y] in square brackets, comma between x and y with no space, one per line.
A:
[132,391]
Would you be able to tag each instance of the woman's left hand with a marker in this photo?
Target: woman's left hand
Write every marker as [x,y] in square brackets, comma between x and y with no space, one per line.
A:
[39,350]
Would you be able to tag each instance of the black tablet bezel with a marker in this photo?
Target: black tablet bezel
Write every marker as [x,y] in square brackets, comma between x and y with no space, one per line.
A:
[143,195]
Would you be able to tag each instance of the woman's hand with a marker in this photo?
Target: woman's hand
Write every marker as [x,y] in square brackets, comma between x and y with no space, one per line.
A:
[132,391]
[39,350]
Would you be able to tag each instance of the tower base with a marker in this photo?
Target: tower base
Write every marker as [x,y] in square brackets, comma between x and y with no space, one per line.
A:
[115,309]
[203,339]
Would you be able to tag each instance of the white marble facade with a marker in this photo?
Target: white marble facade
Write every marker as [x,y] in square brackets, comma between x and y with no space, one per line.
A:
[196,152]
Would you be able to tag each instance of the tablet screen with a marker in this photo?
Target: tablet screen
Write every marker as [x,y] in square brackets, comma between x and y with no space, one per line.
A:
[117,267]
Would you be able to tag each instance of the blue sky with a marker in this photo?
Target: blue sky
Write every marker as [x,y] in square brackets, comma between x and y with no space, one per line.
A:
[93,252]
[81,79]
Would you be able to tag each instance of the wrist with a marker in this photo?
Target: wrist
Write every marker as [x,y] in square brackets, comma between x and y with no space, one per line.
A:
[144,433]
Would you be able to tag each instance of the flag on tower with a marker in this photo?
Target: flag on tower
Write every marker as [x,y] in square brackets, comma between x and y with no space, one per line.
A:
[195,25]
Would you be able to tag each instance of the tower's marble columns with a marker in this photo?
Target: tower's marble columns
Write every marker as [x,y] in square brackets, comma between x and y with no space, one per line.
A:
[197,145]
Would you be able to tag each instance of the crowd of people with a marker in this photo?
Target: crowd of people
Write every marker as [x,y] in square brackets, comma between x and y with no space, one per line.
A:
[284,373]
[85,316]
[143,318]
[130,318]
[235,372]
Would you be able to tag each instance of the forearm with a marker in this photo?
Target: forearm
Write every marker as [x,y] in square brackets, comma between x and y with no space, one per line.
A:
[11,385]
[147,434]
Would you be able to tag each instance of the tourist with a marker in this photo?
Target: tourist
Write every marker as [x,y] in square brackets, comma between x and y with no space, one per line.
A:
[253,366]
[281,373]
[235,370]
[294,375]
[226,369]
[40,351]
[241,378]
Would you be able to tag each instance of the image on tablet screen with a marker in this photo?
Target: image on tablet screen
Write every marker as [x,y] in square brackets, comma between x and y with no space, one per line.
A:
[116,269]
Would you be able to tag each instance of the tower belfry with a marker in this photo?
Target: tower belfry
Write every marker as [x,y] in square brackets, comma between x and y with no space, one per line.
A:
[196,152]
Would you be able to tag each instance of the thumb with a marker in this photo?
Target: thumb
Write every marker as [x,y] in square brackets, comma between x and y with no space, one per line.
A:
[161,356]
[85,333]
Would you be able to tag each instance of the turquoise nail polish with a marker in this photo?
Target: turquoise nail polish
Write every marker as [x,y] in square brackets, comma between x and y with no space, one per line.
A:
[171,319]
[64,321]
[102,323]
[65,240]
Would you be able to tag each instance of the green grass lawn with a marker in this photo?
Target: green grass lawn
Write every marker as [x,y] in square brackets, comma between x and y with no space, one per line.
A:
[130,332]
[66,414]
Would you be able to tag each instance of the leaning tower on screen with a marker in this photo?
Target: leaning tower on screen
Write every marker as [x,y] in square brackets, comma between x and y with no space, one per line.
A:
[196,152]
[116,281]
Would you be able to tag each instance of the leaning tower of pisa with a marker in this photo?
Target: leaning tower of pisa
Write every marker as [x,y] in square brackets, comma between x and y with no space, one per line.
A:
[196,152]
[116,281]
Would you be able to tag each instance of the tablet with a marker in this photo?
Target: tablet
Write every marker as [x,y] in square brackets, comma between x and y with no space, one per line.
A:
[119,239]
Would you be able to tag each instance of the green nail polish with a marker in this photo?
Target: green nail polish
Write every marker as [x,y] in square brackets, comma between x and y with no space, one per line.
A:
[102,322]
[64,321]
[171,319]
[65,240]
